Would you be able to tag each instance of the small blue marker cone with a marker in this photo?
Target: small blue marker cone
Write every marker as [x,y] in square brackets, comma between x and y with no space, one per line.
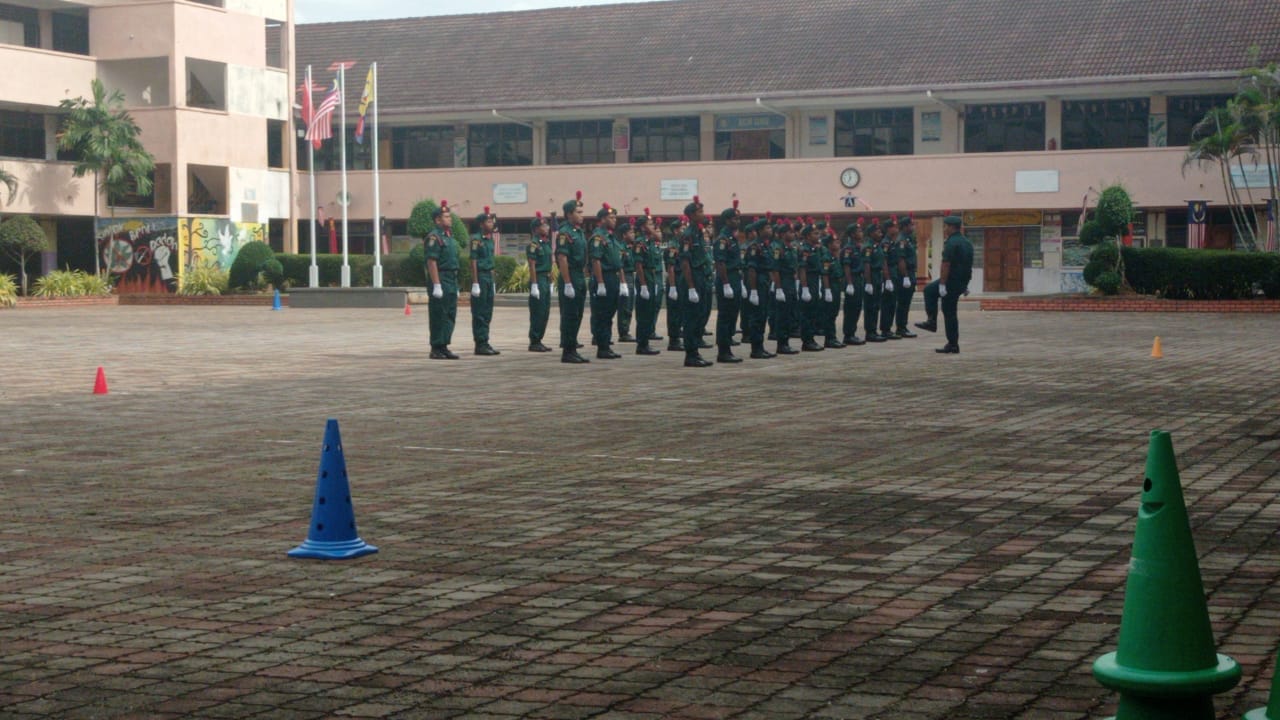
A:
[332,535]
[275,302]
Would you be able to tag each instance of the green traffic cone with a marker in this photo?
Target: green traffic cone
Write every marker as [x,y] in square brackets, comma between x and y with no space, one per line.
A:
[1166,667]
[1272,710]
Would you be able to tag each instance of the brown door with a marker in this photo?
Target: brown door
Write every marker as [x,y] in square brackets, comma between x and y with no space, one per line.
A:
[1002,260]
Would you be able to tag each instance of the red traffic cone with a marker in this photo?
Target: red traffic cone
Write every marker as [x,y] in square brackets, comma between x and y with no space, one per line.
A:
[407,311]
[100,383]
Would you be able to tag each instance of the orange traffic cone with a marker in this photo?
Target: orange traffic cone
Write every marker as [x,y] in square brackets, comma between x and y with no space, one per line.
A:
[1156,350]
[100,383]
[407,311]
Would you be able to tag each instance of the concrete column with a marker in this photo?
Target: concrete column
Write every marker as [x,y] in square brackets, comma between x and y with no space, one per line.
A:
[45,18]
[540,142]
[1053,123]
[1158,125]
[707,141]
[50,137]
[622,157]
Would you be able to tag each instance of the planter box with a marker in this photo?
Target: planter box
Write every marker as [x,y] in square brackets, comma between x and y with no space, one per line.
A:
[1127,304]
[75,302]
[233,300]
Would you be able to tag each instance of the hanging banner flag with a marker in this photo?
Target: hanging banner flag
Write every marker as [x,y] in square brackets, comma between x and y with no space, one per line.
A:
[321,126]
[366,99]
[1197,220]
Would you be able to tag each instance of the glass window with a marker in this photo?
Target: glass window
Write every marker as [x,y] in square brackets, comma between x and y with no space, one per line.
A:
[429,146]
[977,236]
[1009,127]
[71,33]
[275,143]
[1032,254]
[359,155]
[131,198]
[1187,110]
[19,26]
[751,145]
[882,131]
[580,142]
[1096,124]
[21,135]
[499,145]
[672,139]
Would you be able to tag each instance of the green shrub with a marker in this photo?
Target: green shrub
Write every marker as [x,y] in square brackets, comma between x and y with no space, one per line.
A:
[273,274]
[1199,274]
[248,264]
[1091,233]
[94,285]
[8,291]
[413,268]
[296,269]
[71,283]
[517,281]
[1271,284]
[1108,282]
[503,267]
[203,280]
[1102,259]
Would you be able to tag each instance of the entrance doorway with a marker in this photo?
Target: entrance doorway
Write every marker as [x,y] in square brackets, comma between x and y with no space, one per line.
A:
[1002,260]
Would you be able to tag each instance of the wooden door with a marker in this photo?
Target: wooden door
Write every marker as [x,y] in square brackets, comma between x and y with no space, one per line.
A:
[1002,260]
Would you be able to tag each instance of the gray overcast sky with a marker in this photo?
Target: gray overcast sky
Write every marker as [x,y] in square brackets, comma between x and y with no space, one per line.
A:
[331,10]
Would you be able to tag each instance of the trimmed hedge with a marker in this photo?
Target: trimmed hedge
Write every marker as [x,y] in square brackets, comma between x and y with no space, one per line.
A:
[250,260]
[398,269]
[1183,274]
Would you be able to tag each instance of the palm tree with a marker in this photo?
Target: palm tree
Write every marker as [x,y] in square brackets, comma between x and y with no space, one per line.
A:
[9,181]
[106,140]
[1218,139]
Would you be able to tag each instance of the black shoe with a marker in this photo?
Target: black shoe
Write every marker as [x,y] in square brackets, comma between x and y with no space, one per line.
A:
[890,336]
[573,358]
[930,325]
[656,337]
[734,343]
[579,346]
[704,345]
[855,341]
[675,347]
[646,350]
[761,354]
[606,354]
[448,354]
[438,355]
[486,349]
[787,350]
[707,333]
[905,333]
[811,347]
[948,350]
[623,337]
[833,344]
[696,361]
[874,338]
[728,358]
[538,348]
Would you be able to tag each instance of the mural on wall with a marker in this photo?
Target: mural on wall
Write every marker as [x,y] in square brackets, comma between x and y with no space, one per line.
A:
[215,241]
[140,254]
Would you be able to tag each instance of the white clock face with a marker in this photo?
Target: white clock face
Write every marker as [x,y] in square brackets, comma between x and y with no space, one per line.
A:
[850,178]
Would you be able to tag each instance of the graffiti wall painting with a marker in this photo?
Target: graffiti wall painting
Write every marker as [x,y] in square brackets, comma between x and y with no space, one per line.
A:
[214,242]
[141,254]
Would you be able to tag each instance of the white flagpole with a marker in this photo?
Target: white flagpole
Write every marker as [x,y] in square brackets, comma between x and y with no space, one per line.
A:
[344,200]
[313,273]
[377,208]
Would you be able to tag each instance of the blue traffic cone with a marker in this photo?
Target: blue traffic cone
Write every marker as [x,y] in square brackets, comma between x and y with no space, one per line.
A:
[275,302]
[333,521]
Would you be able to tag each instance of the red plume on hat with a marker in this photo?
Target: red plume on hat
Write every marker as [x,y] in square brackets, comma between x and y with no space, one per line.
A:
[696,201]
[735,203]
[579,194]
[444,204]
[486,210]
[768,215]
[605,206]
[646,212]
[538,214]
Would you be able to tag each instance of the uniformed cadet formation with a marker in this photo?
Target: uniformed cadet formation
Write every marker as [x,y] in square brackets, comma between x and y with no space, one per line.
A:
[774,279]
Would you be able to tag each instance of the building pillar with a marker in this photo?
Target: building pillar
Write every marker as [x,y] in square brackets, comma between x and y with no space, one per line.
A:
[45,18]
[540,142]
[707,137]
[622,157]
[1053,124]
[50,137]
[1158,123]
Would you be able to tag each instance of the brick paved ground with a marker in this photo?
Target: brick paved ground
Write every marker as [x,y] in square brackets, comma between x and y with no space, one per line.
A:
[873,532]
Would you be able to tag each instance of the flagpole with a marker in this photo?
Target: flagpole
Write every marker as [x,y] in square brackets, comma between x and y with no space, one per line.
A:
[345,199]
[377,208]
[313,273]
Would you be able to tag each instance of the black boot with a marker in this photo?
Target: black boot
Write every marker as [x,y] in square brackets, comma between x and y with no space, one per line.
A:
[930,325]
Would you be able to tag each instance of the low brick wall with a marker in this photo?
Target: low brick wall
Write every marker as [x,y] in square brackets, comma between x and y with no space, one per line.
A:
[76,302]
[235,300]
[1128,304]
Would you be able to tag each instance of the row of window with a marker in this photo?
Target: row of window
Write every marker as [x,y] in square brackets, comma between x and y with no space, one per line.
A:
[21,26]
[1006,127]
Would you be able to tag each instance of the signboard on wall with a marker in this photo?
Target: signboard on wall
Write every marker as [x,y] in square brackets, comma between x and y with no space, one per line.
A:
[677,189]
[1035,181]
[621,136]
[744,123]
[818,130]
[510,193]
[931,127]
[1253,176]
[1002,218]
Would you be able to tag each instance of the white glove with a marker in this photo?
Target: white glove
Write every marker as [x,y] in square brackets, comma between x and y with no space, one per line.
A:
[644,292]
[826,294]
[475,289]
[754,299]
[728,291]
[888,286]
[906,282]
[805,295]
[569,292]
[624,290]
[870,290]
[534,292]
[743,287]
[673,293]
[942,290]
[779,295]
[693,296]
[772,287]
[850,290]
[602,291]
[437,291]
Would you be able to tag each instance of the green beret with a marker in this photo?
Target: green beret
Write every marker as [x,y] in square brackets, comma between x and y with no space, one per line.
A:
[756,226]
[571,205]
[906,220]
[693,207]
[953,220]
[888,224]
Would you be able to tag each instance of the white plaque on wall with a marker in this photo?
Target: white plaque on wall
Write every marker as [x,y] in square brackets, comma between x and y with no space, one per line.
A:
[1036,181]
[677,189]
[510,193]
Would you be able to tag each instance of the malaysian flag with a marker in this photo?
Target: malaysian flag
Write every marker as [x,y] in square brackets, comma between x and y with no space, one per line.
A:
[1273,225]
[1197,222]
[321,126]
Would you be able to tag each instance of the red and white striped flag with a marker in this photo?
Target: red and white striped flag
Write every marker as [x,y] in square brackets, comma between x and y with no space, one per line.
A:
[321,126]
[1273,225]
[1197,222]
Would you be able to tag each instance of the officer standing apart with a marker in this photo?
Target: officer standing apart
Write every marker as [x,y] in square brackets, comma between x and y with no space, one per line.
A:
[571,256]
[482,288]
[728,258]
[952,282]
[539,257]
[607,284]
[441,254]
[695,261]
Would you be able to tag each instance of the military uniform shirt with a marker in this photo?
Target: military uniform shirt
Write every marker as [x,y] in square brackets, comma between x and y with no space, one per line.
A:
[539,253]
[784,259]
[873,259]
[442,249]
[482,253]
[572,244]
[607,250]
[693,247]
[729,252]
[958,253]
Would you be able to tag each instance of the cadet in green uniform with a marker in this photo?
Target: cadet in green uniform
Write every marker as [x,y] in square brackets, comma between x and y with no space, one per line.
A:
[709,240]
[811,284]
[675,302]
[626,302]
[482,288]
[539,257]
[784,294]
[727,254]
[873,272]
[833,272]
[756,281]
[889,298]
[907,264]
[648,271]
[606,281]
[441,253]
[851,263]
[571,256]
[952,282]
[695,260]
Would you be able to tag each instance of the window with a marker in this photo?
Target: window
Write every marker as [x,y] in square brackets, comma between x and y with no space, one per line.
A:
[884,131]
[71,33]
[580,142]
[359,155]
[978,237]
[670,139]
[131,198]
[19,26]
[751,145]
[429,146]
[1009,127]
[1032,254]
[1095,124]
[275,143]
[1187,110]
[21,135]
[499,145]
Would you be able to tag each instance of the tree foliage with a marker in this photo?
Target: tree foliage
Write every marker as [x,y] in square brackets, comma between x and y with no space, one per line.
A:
[22,238]
[10,182]
[107,141]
